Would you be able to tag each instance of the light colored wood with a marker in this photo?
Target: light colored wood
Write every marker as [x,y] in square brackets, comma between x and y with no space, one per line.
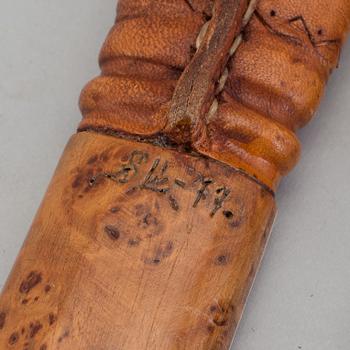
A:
[136,247]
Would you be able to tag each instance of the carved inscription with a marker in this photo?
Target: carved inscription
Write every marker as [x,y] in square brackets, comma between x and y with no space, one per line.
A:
[158,179]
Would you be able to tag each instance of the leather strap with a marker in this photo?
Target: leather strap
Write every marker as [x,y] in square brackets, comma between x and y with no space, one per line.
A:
[195,92]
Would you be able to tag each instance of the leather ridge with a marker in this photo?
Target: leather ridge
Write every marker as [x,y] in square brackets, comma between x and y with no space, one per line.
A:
[230,79]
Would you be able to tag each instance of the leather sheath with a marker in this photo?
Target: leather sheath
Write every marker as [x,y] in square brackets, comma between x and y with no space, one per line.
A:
[231,79]
[155,222]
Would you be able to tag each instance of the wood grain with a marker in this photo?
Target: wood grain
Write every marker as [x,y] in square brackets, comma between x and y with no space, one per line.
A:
[136,247]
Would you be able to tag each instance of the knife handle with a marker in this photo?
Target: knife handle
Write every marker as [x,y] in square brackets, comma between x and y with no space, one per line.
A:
[135,247]
[155,222]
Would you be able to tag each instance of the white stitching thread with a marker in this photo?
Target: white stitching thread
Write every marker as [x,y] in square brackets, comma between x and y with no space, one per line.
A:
[202,34]
[249,13]
[237,42]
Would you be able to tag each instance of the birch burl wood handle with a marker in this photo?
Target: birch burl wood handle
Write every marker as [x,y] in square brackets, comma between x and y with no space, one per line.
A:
[154,224]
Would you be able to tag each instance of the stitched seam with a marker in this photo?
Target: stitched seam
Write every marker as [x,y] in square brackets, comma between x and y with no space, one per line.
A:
[236,44]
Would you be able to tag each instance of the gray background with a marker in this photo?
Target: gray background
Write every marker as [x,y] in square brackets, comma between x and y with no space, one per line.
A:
[301,296]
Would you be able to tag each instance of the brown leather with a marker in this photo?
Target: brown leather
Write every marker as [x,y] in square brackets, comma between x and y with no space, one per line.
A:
[230,79]
[137,247]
